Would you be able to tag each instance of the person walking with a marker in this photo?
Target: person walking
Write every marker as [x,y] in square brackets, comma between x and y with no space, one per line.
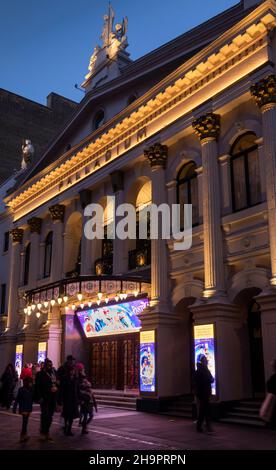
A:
[203,382]
[24,399]
[69,399]
[271,388]
[9,380]
[87,403]
[47,395]
[26,371]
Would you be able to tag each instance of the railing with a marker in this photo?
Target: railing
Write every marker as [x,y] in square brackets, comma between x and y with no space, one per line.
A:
[104,266]
[139,258]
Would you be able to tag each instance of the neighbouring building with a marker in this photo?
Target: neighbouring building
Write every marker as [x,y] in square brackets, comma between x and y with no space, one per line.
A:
[191,122]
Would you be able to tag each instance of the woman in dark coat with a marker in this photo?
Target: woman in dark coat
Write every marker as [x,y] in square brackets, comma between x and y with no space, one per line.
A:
[69,399]
[271,388]
[8,379]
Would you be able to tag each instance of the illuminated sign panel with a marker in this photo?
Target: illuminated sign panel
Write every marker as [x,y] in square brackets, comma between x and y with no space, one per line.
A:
[204,345]
[42,352]
[147,361]
[112,319]
[18,358]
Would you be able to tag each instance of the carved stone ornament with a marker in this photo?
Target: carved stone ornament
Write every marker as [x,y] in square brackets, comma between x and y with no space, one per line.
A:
[17,235]
[157,155]
[207,126]
[264,91]
[57,212]
[35,224]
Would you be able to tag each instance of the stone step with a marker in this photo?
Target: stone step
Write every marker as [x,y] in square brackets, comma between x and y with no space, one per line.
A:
[251,404]
[115,397]
[246,409]
[245,422]
[250,417]
[177,414]
[117,404]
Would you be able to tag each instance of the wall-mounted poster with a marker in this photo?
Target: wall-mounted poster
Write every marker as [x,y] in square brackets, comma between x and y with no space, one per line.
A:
[42,352]
[112,319]
[147,361]
[18,358]
[204,343]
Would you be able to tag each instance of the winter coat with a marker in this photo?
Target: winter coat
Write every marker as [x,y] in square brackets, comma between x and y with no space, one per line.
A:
[24,399]
[203,381]
[45,382]
[69,397]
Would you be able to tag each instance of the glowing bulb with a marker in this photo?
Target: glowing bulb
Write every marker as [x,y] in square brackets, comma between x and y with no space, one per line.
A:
[33,306]
[39,306]
[79,296]
[37,314]
[116,298]
[66,308]
[98,302]
[53,302]
[82,305]
[100,295]
[124,296]
[59,300]
[121,296]
[106,300]
[135,293]
[65,298]
[25,310]
[46,304]
[29,312]
[89,304]
[73,307]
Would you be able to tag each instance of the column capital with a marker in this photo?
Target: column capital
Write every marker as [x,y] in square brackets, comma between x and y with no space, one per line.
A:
[57,212]
[17,235]
[207,126]
[157,155]
[264,92]
[35,224]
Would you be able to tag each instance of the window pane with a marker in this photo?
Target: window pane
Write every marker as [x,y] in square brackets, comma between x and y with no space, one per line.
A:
[254,177]
[194,200]
[240,199]
[183,198]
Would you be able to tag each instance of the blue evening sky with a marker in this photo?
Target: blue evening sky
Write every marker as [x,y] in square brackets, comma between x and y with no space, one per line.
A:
[45,45]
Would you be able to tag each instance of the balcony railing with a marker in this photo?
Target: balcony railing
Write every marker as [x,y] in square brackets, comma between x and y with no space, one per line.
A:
[139,258]
[104,266]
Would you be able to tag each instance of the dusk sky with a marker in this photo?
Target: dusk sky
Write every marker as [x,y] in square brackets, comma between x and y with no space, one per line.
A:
[45,45]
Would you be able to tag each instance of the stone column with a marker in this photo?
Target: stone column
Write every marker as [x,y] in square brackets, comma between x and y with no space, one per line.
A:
[207,128]
[17,238]
[225,174]
[260,143]
[267,302]
[57,214]
[120,255]
[199,172]
[86,245]
[264,93]
[157,156]
[35,229]
[53,335]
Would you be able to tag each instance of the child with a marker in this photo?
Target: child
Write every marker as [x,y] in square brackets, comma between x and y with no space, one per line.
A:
[25,400]
[87,403]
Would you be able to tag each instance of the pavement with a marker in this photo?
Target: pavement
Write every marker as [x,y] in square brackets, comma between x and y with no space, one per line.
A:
[114,429]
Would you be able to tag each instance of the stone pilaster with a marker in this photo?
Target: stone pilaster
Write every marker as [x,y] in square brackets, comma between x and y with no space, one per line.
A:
[207,128]
[14,280]
[225,174]
[57,214]
[267,302]
[35,229]
[264,94]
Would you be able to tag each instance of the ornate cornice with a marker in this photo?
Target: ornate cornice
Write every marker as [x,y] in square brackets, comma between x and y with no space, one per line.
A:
[57,212]
[17,235]
[35,224]
[264,91]
[207,126]
[157,155]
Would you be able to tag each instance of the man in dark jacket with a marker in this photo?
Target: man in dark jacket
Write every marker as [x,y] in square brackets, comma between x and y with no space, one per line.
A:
[203,382]
[47,391]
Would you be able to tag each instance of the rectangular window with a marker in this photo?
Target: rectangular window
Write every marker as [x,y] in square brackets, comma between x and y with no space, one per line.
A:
[6,242]
[240,195]
[254,177]
[3,299]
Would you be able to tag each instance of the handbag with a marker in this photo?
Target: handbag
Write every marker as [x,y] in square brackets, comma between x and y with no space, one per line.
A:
[267,408]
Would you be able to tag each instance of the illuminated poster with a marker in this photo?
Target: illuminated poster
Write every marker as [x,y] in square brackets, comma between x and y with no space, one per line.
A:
[147,361]
[42,352]
[112,319]
[18,358]
[205,346]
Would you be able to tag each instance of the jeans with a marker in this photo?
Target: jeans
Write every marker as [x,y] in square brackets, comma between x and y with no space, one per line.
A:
[86,418]
[25,419]
[47,411]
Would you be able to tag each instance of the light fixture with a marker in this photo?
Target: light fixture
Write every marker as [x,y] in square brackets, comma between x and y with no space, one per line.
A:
[106,300]
[25,310]
[98,302]
[37,314]
[100,295]
[33,306]
[66,308]
[135,293]
[79,296]
[46,304]
[53,302]
[59,300]
[29,312]
[39,306]
[89,304]
[73,307]
[82,305]
[65,298]
[116,298]
[124,296]
[121,296]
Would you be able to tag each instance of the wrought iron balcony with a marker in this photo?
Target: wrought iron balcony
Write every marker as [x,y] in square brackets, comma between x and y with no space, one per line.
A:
[139,258]
[104,266]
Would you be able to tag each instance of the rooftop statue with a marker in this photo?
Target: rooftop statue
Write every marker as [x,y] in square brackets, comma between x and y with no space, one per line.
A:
[27,153]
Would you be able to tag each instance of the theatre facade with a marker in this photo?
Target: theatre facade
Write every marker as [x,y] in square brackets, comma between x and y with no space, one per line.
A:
[192,122]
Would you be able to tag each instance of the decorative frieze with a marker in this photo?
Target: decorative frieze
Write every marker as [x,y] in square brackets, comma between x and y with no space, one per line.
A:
[157,155]
[57,212]
[17,235]
[264,91]
[35,225]
[207,126]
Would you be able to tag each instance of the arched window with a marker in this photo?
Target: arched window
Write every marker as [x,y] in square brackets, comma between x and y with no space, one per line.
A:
[187,191]
[27,264]
[245,172]
[48,254]
[98,120]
